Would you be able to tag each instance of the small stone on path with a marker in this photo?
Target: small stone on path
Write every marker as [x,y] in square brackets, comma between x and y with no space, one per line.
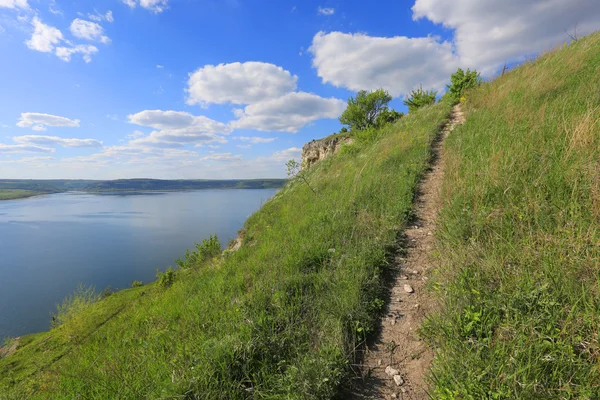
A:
[408,289]
[398,379]
[391,371]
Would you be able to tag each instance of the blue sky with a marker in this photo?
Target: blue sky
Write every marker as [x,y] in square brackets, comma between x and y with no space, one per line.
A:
[232,88]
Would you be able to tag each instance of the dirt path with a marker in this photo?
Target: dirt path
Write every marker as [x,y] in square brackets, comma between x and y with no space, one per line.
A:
[395,365]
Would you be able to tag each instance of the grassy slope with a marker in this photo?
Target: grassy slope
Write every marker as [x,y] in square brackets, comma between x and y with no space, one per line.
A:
[280,318]
[519,238]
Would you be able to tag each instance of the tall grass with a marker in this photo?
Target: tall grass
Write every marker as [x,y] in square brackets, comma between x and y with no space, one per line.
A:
[279,318]
[519,239]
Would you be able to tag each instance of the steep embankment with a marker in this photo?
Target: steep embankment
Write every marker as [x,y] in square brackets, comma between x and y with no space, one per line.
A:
[279,318]
[519,237]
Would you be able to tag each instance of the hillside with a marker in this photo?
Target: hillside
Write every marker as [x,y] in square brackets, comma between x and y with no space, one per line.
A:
[519,237]
[279,318]
[514,276]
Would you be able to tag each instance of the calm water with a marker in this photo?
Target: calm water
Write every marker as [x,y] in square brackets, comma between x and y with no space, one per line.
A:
[51,243]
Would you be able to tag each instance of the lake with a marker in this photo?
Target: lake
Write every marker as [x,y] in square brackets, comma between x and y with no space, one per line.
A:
[51,243]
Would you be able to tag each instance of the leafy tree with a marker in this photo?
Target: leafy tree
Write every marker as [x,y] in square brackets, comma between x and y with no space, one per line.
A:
[420,98]
[461,81]
[363,110]
[387,117]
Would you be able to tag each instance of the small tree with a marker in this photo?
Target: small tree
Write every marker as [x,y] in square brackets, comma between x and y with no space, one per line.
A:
[294,169]
[387,117]
[461,81]
[420,98]
[363,110]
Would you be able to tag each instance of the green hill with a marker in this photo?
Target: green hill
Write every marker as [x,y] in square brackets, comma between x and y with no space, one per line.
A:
[519,238]
[282,317]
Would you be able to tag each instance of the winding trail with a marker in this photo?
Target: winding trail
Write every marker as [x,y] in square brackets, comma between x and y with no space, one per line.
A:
[395,365]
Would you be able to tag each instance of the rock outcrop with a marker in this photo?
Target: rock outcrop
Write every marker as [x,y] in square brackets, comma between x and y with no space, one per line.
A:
[318,150]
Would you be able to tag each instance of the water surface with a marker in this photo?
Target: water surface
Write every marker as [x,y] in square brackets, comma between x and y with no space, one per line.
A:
[49,244]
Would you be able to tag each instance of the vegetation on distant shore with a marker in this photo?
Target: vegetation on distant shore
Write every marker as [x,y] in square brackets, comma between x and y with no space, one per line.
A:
[279,318]
[20,188]
[519,236]
[12,194]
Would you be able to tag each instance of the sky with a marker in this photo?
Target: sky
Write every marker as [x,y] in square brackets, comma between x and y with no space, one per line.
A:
[222,89]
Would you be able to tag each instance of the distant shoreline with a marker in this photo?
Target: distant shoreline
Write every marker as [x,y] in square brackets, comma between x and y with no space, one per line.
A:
[18,189]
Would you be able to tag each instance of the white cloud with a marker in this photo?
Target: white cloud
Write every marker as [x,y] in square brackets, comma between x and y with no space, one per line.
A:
[255,139]
[488,33]
[175,120]
[56,141]
[86,51]
[88,30]
[156,6]
[14,4]
[160,66]
[108,17]
[39,121]
[239,83]
[44,37]
[24,148]
[325,11]
[177,129]
[397,64]
[287,154]
[222,157]
[288,113]
[136,135]
[244,146]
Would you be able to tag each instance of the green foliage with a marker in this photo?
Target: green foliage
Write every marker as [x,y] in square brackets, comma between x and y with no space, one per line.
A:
[519,237]
[420,98]
[280,318]
[135,284]
[387,117]
[294,170]
[461,81]
[75,304]
[363,110]
[165,279]
[206,250]
[344,130]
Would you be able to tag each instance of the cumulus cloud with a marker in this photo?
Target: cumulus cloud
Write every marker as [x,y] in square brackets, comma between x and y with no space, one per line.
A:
[24,148]
[39,121]
[488,33]
[255,139]
[44,37]
[156,6]
[397,64]
[325,11]
[177,129]
[14,4]
[239,83]
[175,120]
[288,113]
[88,30]
[86,51]
[56,141]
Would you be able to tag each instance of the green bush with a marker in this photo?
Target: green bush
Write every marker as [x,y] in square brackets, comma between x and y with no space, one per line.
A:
[75,304]
[461,81]
[208,249]
[420,98]
[137,284]
[364,109]
[166,279]
[387,117]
